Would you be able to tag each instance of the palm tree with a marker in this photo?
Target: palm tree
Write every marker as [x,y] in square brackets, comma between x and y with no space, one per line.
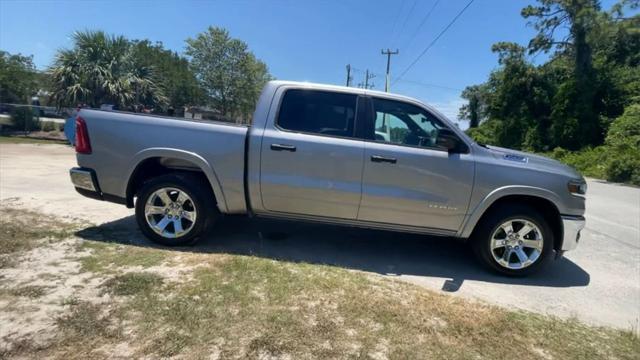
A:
[102,69]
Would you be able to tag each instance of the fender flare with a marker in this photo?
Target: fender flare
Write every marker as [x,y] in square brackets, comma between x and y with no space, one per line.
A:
[203,164]
[474,217]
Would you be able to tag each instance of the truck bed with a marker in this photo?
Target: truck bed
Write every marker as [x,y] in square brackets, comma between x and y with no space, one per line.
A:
[122,140]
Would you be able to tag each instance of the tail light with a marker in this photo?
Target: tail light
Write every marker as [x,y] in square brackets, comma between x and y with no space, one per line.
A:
[83,145]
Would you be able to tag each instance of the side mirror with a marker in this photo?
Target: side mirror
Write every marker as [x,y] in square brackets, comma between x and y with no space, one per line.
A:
[448,140]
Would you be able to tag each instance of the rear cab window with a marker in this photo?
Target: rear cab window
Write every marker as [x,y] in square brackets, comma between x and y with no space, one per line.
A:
[318,112]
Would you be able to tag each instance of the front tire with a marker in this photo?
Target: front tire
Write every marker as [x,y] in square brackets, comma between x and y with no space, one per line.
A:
[175,209]
[514,240]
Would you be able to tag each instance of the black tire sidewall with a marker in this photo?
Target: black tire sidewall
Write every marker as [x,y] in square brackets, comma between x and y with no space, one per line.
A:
[194,187]
[481,241]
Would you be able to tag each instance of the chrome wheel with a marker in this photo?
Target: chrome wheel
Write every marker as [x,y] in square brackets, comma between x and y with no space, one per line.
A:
[170,212]
[516,244]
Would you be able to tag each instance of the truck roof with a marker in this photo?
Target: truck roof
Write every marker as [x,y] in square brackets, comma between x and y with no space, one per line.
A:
[353,90]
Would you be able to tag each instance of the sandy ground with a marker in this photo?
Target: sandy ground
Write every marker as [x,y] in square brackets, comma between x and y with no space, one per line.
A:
[598,283]
[55,269]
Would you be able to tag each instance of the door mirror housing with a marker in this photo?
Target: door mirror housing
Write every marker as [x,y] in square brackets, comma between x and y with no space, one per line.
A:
[448,140]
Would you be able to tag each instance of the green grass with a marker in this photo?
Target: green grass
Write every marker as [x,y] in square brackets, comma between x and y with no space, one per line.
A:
[22,231]
[28,291]
[133,283]
[262,307]
[250,307]
[84,325]
[4,139]
[110,257]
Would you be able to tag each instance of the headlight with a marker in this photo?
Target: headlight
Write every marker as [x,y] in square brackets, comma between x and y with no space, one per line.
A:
[577,187]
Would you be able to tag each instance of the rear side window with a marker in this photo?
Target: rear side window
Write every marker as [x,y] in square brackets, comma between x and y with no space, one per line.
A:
[318,112]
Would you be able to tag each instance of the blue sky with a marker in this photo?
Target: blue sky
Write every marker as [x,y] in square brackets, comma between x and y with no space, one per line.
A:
[299,40]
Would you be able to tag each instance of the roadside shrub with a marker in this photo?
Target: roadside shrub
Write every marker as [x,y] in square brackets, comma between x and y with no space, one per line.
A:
[534,140]
[625,130]
[624,168]
[23,119]
[590,162]
[48,126]
[559,153]
[623,143]
[486,132]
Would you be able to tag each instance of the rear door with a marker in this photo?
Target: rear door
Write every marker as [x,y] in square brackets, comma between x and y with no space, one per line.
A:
[311,162]
[407,178]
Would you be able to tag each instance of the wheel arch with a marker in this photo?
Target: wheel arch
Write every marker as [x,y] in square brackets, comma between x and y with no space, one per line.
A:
[153,162]
[544,201]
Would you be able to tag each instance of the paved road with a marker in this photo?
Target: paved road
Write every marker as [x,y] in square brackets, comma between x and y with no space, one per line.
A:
[598,283]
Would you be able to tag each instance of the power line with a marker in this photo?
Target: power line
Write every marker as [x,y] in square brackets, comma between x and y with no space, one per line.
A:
[406,20]
[424,20]
[395,22]
[434,41]
[430,85]
[419,83]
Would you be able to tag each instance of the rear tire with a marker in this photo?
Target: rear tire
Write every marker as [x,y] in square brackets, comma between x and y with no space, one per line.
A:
[176,209]
[513,240]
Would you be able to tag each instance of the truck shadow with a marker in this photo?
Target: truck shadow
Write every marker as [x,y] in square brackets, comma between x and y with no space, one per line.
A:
[383,252]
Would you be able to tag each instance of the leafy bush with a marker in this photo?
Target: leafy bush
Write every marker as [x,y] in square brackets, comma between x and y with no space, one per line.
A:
[22,118]
[589,161]
[48,126]
[624,168]
[625,130]
[618,160]
[558,153]
[486,132]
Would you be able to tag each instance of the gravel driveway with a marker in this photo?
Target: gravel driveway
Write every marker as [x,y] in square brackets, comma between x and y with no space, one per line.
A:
[598,283]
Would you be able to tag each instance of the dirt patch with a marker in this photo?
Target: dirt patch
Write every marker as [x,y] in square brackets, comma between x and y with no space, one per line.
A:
[40,288]
[68,297]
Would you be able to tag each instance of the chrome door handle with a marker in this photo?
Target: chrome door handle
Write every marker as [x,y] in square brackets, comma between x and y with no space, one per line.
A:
[378,158]
[283,147]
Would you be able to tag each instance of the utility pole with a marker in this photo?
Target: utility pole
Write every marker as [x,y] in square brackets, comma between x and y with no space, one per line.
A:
[349,77]
[368,77]
[387,79]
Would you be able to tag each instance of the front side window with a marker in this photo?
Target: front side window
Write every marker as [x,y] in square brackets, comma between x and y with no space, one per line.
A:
[405,124]
[318,112]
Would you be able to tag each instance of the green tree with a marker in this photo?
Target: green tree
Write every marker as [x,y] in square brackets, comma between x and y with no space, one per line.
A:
[172,72]
[570,100]
[102,69]
[230,74]
[18,78]
[574,105]
[475,109]
[516,97]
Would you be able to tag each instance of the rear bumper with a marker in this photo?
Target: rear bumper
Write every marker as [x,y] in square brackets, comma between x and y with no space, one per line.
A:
[85,179]
[572,226]
[86,184]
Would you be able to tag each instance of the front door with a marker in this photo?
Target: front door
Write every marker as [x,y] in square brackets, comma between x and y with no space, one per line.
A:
[407,178]
[311,162]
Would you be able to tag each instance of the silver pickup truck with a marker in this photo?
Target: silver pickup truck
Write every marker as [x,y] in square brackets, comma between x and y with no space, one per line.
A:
[337,155]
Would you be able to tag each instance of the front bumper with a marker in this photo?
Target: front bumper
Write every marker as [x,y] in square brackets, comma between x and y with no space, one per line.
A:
[572,226]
